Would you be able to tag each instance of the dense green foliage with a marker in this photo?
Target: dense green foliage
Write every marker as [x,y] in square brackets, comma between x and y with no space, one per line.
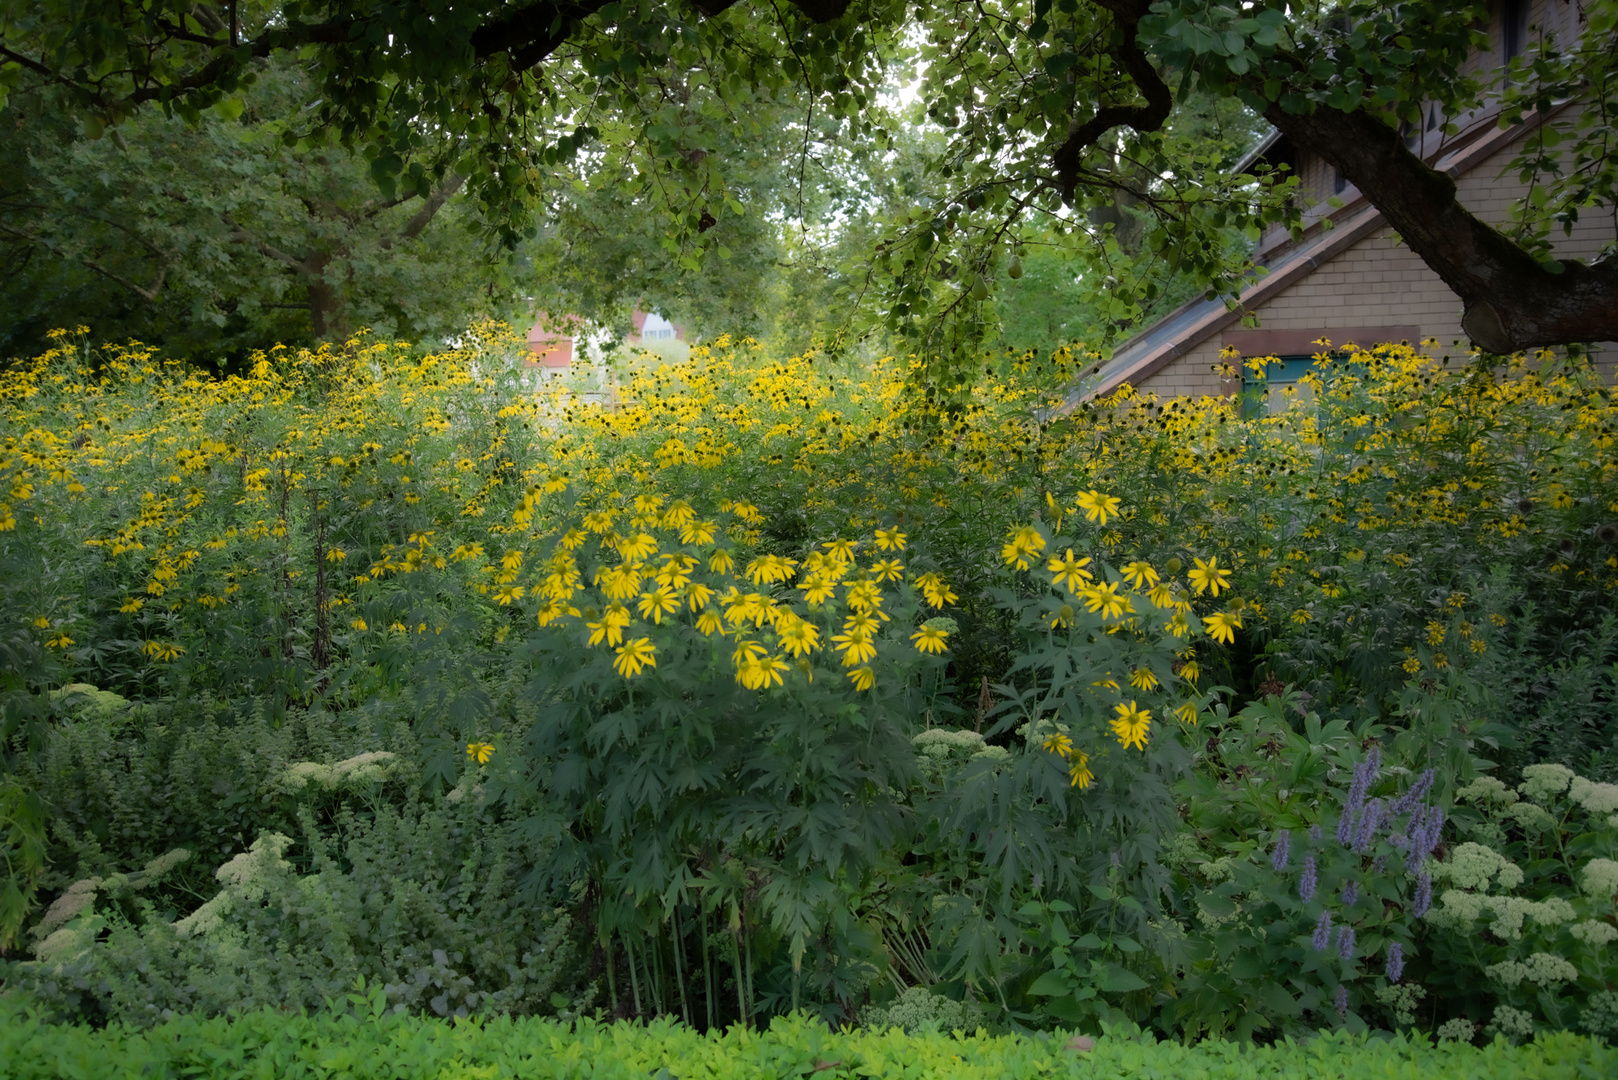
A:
[771,686]
[366,1041]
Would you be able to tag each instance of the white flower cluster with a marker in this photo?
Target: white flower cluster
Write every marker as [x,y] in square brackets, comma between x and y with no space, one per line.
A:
[1540,782]
[1601,877]
[1542,969]
[1512,1023]
[1595,933]
[245,880]
[1486,789]
[1402,999]
[1471,866]
[1459,1029]
[1595,798]
[1460,911]
[358,771]
[1532,817]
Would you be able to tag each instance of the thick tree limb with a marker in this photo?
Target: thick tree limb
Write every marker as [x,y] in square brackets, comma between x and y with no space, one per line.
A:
[145,292]
[1148,117]
[1511,300]
[435,202]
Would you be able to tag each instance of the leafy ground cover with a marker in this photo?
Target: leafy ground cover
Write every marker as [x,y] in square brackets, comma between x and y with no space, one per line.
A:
[756,684]
[362,1045]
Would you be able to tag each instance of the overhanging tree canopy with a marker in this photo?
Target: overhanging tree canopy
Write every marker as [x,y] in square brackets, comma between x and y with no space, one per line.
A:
[1050,108]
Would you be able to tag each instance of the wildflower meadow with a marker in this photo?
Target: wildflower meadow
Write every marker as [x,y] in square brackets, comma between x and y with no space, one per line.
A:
[796,693]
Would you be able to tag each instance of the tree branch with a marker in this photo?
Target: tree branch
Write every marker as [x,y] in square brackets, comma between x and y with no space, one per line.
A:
[419,221]
[1147,117]
[1511,300]
[148,294]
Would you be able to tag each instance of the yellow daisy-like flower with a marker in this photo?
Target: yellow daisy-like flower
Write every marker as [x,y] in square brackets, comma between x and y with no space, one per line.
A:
[1143,679]
[599,522]
[637,547]
[1222,626]
[1140,575]
[1070,572]
[130,606]
[1059,744]
[856,648]
[761,673]
[1105,598]
[480,752]
[657,603]
[933,588]
[841,550]
[722,561]
[509,594]
[1161,594]
[1208,576]
[709,623]
[864,678]
[552,610]
[1131,725]
[511,560]
[634,656]
[817,590]
[60,641]
[336,554]
[887,570]
[698,532]
[357,623]
[864,595]
[770,568]
[801,638]
[1079,772]
[1187,713]
[930,640]
[698,595]
[1190,671]
[890,539]
[1023,547]
[1098,507]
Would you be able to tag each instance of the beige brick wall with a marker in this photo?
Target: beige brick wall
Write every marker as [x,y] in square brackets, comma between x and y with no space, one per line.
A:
[1378,282]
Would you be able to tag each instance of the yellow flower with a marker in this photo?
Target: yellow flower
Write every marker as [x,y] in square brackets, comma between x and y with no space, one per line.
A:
[1190,671]
[1097,507]
[1105,598]
[480,752]
[698,532]
[856,648]
[1140,575]
[1070,572]
[930,640]
[599,522]
[887,570]
[800,638]
[1143,679]
[1222,626]
[761,673]
[709,623]
[721,561]
[1023,547]
[131,605]
[1081,776]
[60,641]
[639,546]
[770,568]
[511,560]
[1131,725]
[357,623]
[160,650]
[1208,577]
[817,590]
[509,594]
[864,678]
[1187,713]
[657,603]
[863,595]
[698,595]
[890,539]
[841,550]
[1059,744]
[635,655]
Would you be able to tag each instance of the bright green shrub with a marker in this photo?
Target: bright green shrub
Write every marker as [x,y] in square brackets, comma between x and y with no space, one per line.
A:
[372,1042]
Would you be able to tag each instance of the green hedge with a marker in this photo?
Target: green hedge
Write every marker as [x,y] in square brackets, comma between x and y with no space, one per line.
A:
[385,1045]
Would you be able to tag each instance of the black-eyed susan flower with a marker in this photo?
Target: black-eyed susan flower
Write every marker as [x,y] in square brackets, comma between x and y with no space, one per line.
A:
[890,539]
[1079,774]
[1222,626]
[863,678]
[480,752]
[634,656]
[1131,724]
[658,602]
[930,639]
[1069,571]
[1208,576]
[1098,507]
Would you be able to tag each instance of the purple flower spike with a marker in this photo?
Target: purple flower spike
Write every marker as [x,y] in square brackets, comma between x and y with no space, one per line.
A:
[1351,893]
[1314,833]
[1424,895]
[1322,936]
[1345,943]
[1370,822]
[1307,883]
[1396,962]
[1283,848]
[1345,829]
[1418,791]
[1342,1003]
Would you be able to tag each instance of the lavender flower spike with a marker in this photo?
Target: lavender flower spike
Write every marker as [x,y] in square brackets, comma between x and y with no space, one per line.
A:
[1418,791]
[1345,943]
[1351,893]
[1396,962]
[1322,936]
[1370,822]
[1283,848]
[1307,883]
[1424,895]
[1341,1002]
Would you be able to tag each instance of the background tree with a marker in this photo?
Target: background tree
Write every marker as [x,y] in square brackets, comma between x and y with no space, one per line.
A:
[216,236]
